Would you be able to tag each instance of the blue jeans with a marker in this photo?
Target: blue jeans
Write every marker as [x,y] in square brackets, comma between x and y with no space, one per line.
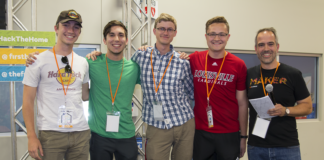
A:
[276,153]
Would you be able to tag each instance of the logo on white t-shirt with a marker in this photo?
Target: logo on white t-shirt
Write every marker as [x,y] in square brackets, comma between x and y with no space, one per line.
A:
[65,76]
[214,64]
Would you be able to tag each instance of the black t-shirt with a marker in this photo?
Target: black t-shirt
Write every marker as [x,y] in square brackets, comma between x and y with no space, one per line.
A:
[288,87]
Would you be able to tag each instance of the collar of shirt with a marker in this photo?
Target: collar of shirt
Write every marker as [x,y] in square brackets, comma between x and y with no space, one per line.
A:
[157,52]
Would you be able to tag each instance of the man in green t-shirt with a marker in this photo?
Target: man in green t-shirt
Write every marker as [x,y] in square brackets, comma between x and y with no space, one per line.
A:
[113,79]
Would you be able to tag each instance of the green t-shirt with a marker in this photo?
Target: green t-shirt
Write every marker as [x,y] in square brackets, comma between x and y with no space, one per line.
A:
[100,98]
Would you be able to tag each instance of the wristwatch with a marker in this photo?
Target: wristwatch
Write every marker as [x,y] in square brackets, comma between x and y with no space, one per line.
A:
[244,137]
[287,111]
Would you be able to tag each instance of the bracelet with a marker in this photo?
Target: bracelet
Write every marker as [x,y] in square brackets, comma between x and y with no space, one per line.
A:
[244,136]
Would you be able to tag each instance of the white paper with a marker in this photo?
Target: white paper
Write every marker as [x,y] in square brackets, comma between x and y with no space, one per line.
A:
[261,127]
[112,124]
[157,112]
[262,105]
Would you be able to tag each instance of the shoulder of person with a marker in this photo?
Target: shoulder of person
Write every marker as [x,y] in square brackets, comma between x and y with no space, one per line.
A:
[99,58]
[76,56]
[289,68]
[196,53]
[43,58]
[289,71]
[235,58]
[130,62]
[140,53]
[148,50]
[45,54]
[254,69]
[177,56]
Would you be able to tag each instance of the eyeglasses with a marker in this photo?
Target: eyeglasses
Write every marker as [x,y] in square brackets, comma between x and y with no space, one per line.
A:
[65,60]
[162,29]
[221,35]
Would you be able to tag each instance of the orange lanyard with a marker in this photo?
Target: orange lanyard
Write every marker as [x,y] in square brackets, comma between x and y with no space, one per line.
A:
[271,80]
[209,92]
[113,98]
[60,72]
[156,89]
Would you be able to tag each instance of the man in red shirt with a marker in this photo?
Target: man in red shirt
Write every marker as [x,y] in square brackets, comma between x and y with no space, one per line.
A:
[220,99]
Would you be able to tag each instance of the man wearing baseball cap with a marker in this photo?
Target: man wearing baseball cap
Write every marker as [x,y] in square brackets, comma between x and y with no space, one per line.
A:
[57,80]
[69,15]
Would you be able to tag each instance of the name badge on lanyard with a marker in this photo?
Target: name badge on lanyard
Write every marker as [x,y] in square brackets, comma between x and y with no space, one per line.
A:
[261,127]
[65,112]
[209,116]
[209,108]
[157,111]
[113,117]
[65,117]
[157,106]
[112,124]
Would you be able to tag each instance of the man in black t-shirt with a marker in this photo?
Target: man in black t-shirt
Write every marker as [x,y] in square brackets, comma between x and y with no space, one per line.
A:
[281,140]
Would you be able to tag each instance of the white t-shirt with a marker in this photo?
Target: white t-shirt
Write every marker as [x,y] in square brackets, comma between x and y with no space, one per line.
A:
[44,75]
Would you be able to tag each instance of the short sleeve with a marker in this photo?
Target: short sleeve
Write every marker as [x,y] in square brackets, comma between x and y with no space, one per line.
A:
[300,89]
[33,73]
[242,72]
[135,56]
[192,55]
[86,74]
[138,75]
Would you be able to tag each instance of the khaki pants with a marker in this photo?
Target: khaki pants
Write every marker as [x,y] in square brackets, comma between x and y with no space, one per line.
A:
[159,142]
[67,145]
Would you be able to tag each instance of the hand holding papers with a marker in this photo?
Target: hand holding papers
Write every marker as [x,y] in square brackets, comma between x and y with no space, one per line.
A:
[262,105]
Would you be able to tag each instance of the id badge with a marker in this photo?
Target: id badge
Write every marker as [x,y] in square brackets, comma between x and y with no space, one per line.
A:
[157,111]
[210,117]
[261,127]
[112,124]
[65,117]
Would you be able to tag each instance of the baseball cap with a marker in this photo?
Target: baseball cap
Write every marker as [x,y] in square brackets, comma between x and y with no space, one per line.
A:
[69,15]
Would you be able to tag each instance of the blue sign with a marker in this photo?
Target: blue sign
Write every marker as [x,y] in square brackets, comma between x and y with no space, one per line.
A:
[12,73]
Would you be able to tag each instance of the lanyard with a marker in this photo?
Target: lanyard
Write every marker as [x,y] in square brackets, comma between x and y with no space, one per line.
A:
[65,91]
[209,92]
[271,80]
[113,98]
[156,89]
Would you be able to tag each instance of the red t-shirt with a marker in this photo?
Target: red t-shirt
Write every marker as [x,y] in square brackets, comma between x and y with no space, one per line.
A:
[223,96]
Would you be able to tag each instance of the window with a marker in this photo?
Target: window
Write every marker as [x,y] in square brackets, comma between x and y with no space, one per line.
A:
[308,66]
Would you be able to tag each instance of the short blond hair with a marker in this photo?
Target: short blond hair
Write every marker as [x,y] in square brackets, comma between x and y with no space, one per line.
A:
[165,17]
[217,19]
